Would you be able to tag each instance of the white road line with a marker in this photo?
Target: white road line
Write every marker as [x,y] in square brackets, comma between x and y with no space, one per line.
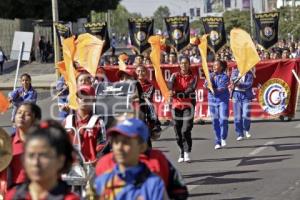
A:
[298,126]
[259,149]
[191,187]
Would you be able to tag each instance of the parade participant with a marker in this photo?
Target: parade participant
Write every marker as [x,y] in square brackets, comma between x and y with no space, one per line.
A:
[156,161]
[27,114]
[47,154]
[84,78]
[183,84]
[90,127]
[62,99]
[219,102]
[129,179]
[147,95]
[242,97]
[25,93]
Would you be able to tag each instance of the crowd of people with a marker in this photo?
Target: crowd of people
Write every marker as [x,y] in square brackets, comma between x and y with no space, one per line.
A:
[120,148]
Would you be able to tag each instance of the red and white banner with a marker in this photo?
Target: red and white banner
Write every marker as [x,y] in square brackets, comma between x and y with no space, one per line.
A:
[275,89]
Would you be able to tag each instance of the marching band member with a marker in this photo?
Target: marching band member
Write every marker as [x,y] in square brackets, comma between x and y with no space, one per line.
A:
[47,154]
[242,97]
[183,84]
[219,102]
[26,115]
[130,178]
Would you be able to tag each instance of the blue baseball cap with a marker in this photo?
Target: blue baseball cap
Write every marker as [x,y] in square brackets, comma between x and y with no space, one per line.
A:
[132,127]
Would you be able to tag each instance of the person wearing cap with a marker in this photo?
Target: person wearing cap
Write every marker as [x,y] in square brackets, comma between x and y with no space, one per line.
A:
[129,179]
[27,114]
[242,96]
[183,84]
[89,126]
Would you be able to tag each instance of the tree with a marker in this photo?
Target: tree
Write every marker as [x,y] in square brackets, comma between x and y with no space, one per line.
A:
[237,19]
[69,10]
[159,17]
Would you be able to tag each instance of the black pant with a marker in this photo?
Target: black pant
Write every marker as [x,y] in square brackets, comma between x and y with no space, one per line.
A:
[1,67]
[183,128]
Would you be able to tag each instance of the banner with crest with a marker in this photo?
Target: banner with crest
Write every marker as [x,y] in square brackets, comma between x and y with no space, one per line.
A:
[266,26]
[140,29]
[179,31]
[215,28]
[63,31]
[100,30]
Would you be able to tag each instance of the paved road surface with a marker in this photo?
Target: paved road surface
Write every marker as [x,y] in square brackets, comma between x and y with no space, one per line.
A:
[266,167]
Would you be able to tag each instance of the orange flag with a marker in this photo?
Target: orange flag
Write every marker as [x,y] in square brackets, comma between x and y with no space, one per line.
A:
[88,52]
[62,69]
[68,53]
[156,42]
[4,103]
[243,50]
[122,64]
[203,51]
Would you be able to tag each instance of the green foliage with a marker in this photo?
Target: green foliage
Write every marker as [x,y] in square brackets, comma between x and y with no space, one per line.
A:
[237,19]
[69,10]
[118,19]
[287,26]
[159,17]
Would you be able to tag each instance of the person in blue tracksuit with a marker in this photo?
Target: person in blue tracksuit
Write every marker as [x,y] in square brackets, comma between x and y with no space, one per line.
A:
[242,97]
[219,102]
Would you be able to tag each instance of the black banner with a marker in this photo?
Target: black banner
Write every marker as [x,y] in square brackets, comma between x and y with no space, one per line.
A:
[214,26]
[179,31]
[140,29]
[266,26]
[100,30]
[63,31]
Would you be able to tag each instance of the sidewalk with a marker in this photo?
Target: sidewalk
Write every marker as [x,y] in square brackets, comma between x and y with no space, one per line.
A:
[42,74]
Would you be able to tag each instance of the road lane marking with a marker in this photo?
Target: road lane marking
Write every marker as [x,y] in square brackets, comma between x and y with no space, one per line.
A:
[298,126]
[259,149]
[191,187]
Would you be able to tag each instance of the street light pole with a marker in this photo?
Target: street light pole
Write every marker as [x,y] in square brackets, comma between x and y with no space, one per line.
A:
[55,39]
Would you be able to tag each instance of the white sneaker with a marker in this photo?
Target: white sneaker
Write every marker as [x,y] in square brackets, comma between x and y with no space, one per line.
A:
[239,138]
[180,159]
[218,146]
[223,143]
[247,134]
[187,157]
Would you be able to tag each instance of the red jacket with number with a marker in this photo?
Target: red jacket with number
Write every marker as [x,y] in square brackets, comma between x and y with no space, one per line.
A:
[184,88]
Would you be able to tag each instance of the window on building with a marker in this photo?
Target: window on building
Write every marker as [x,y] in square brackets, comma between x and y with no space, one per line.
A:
[192,12]
[198,12]
[227,3]
[246,4]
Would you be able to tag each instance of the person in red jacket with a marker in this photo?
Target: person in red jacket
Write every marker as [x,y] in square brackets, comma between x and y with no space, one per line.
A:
[47,154]
[26,115]
[90,128]
[183,84]
[147,95]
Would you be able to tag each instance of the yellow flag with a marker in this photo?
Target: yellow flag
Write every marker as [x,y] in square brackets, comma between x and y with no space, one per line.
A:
[62,69]
[243,50]
[156,43]
[88,52]
[203,51]
[68,53]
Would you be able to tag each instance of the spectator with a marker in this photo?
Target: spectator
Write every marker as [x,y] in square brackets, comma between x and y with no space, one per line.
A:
[43,49]
[3,58]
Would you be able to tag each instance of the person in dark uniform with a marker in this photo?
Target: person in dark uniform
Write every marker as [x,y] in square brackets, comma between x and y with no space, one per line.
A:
[219,102]
[182,85]
[48,153]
